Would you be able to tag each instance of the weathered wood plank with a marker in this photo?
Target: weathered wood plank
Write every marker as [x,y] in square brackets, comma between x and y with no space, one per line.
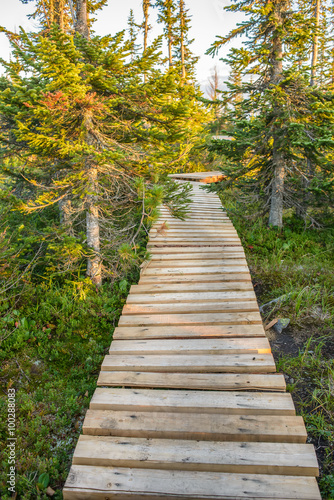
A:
[292,459]
[233,318]
[188,331]
[100,483]
[198,250]
[199,296]
[191,287]
[150,270]
[233,263]
[193,363]
[223,255]
[195,278]
[191,307]
[191,346]
[181,401]
[199,381]
[270,429]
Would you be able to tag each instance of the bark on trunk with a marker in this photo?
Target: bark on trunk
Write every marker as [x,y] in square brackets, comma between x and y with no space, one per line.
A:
[182,24]
[93,229]
[65,213]
[315,44]
[279,169]
[146,5]
[170,46]
[277,193]
[94,263]
[59,13]
[81,24]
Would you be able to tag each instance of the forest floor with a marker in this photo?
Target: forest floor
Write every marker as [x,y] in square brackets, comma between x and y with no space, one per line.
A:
[54,338]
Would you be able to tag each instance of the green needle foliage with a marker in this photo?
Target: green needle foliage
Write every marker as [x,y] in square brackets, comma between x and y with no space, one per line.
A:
[281,127]
[84,125]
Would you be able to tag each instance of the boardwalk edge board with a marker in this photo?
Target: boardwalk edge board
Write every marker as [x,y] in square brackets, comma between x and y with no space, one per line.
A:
[188,403]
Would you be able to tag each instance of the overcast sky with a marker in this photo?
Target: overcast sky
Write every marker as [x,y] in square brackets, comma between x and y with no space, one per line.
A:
[208,20]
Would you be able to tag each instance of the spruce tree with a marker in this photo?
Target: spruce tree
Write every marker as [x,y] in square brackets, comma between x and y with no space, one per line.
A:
[273,126]
[86,128]
[168,16]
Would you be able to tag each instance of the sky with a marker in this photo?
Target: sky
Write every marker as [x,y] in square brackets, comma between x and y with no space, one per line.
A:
[208,20]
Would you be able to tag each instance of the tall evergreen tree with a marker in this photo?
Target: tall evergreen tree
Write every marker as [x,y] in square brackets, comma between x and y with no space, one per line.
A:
[272,124]
[146,27]
[167,15]
[85,126]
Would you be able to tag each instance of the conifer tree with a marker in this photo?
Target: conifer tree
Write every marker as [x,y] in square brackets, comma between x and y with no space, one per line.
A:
[146,27]
[274,135]
[85,126]
[133,34]
[182,51]
[168,16]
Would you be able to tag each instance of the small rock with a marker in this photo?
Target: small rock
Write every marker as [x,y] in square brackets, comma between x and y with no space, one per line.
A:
[292,380]
[50,492]
[281,324]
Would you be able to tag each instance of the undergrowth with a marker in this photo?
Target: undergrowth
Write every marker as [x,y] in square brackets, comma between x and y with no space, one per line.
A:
[52,348]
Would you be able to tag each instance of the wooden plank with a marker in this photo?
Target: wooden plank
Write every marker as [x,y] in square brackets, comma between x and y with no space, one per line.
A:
[190,307]
[151,270]
[188,331]
[183,363]
[199,381]
[233,318]
[181,401]
[100,483]
[292,459]
[195,278]
[199,250]
[189,244]
[197,263]
[154,264]
[197,426]
[197,296]
[225,256]
[190,224]
[191,287]
[258,345]
[193,233]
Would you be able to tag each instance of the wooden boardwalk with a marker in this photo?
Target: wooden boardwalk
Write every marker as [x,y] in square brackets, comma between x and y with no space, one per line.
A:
[189,404]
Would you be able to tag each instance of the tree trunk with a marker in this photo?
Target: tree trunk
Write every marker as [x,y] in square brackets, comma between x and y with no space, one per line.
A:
[146,5]
[170,46]
[183,63]
[93,229]
[81,24]
[277,193]
[315,44]
[65,213]
[94,264]
[59,13]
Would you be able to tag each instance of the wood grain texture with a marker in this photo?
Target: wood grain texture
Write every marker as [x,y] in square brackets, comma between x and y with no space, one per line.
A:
[202,381]
[180,401]
[197,426]
[101,483]
[292,459]
[188,331]
[191,346]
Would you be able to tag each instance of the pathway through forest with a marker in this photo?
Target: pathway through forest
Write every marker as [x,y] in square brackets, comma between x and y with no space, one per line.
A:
[189,404]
